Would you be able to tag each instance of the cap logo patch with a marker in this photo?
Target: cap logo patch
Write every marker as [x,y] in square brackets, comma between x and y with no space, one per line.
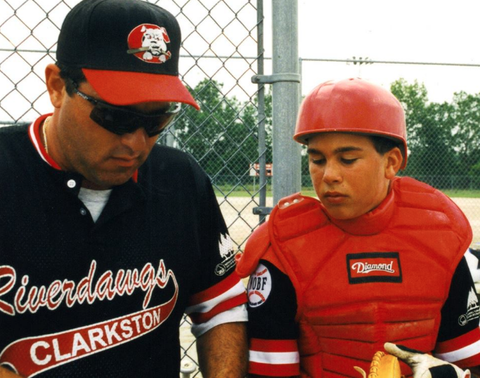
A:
[148,42]
[374,267]
[259,286]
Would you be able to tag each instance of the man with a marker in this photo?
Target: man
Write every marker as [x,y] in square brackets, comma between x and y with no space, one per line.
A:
[107,238]
[378,259]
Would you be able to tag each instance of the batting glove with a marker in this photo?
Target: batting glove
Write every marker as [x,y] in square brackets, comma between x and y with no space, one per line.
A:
[424,365]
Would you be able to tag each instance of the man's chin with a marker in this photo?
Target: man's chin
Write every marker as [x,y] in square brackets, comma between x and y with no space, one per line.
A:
[105,183]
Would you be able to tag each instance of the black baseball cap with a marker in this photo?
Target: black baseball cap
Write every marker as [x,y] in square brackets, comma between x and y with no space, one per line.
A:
[127,49]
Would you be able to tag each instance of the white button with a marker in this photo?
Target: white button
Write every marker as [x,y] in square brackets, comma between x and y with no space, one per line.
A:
[71,184]
[83,211]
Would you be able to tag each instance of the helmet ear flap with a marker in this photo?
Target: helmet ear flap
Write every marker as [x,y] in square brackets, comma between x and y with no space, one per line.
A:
[352,105]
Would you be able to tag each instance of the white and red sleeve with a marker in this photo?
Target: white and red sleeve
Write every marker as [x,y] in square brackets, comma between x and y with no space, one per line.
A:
[272,327]
[221,303]
[463,351]
[274,358]
[459,335]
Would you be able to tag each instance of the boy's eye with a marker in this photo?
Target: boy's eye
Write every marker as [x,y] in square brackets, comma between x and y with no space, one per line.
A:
[317,160]
[349,161]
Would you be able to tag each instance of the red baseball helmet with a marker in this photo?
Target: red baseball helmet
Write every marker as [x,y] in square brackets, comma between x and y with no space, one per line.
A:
[352,105]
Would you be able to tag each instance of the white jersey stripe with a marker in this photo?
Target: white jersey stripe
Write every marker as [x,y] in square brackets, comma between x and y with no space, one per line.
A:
[235,314]
[460,354]
[275,358]
[206,306]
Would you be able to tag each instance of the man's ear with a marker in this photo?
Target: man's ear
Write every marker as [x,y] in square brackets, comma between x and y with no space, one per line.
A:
[393,162]
[55,85]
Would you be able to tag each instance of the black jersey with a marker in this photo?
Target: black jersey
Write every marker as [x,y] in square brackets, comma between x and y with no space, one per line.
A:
[104,299]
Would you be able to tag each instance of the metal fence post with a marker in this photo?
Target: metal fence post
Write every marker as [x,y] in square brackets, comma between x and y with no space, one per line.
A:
[285,94]
[261,114]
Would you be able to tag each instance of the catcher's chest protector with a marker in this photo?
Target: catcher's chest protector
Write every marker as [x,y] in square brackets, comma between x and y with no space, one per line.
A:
[383,277]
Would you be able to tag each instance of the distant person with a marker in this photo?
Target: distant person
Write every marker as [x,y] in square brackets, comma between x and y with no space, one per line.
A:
[376,259]
[107,238]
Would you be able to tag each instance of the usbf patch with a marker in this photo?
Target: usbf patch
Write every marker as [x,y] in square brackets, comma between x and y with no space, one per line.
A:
[259,286]
[374,267]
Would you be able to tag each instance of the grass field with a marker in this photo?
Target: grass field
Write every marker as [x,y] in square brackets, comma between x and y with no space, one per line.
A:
[462,193]
[246,191]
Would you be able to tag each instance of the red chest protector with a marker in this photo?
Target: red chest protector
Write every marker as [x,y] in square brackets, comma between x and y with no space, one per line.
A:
[381,277]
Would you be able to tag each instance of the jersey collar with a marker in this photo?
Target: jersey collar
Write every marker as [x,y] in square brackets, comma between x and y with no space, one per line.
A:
[36,139]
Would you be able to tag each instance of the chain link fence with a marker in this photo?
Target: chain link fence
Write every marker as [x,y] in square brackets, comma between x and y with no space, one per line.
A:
[443,131]
[222,49]
[219,55]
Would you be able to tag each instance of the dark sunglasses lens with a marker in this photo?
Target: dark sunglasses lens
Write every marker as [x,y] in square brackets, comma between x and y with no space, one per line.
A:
[122,122]
[111,121]
[155,125]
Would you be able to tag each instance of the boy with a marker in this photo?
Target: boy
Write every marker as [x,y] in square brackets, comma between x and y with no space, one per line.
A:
[378,259]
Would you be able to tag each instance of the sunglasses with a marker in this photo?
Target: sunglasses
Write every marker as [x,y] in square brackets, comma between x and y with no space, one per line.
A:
[122,120]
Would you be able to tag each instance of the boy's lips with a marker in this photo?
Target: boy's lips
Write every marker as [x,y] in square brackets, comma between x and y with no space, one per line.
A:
[334,197]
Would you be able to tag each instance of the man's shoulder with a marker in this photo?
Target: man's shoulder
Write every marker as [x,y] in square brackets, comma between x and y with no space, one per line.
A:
[171,167]
[13,138]
[169,155]
[13,131]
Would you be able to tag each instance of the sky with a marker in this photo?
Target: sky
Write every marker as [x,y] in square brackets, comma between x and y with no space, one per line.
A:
[422,31]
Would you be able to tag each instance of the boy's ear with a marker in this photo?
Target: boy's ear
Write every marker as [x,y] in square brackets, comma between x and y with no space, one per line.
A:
[55,85]
[393,162]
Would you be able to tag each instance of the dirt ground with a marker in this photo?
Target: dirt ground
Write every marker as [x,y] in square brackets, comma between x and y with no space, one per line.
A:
[471,208]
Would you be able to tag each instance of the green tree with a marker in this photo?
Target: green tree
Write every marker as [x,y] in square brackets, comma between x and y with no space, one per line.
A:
[429,134]
[223,135]
[414,98]
[465,132]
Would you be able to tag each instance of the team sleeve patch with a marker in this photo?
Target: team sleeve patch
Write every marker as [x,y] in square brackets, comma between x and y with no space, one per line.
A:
[274,358]
[259,286]
[221,297]
[472,312]
[227,254]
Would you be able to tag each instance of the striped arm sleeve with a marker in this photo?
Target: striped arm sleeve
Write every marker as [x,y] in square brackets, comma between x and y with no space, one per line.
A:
[216,301]
[463,351]
[274,358]
[458,339]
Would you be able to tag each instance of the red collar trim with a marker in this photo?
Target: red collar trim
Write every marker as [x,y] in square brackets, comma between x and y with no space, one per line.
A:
[36,138]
